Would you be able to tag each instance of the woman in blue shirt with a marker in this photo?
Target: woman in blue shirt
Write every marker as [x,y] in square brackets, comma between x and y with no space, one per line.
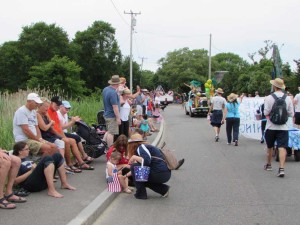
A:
[232,116]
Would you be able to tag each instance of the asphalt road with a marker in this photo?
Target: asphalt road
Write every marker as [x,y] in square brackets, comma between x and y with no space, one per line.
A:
[218,184]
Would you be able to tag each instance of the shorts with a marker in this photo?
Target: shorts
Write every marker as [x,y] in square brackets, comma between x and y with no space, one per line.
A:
[297,118]
[216,118]
[280,136]
[34,146]
[59,143]
[74,136]
[112,125]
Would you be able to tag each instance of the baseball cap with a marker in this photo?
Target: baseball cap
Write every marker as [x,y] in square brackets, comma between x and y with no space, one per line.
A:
[66,104]
[34,97]
[56,100]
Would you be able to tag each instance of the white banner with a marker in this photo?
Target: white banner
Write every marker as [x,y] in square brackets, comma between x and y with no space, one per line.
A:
[249,126]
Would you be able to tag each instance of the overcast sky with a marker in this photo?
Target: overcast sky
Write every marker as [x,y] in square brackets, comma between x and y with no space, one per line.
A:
[237,26]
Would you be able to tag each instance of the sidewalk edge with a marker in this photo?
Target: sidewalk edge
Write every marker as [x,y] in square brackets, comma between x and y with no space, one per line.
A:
[90,213]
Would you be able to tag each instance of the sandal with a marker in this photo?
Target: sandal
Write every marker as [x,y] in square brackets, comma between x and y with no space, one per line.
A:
[75,169]
[6,205]
[85,166]
[17,200]
[127,191]
[88,159]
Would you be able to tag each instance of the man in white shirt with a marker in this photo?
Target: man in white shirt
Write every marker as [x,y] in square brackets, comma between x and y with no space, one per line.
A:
[25,127]
[276,132]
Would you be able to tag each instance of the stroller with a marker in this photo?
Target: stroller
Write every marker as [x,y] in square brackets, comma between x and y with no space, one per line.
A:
[93,144]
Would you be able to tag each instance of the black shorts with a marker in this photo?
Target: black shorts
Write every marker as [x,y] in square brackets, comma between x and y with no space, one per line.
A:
[74,136]
[297,118]
[280,136]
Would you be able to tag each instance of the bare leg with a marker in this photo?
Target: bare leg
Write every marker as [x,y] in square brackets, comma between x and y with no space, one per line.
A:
[269,155]
[124,183]
[67,151]
[12,174]
[282,155]
[48,171]
[108,138]
[63,179]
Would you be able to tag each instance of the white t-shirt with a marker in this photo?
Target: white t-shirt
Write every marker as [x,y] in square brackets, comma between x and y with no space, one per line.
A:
[218,102]
[156,100]
[125,111]
[24,116]
[297,105]
[63,119]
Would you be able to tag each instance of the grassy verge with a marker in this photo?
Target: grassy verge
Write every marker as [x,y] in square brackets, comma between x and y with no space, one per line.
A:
[86,108]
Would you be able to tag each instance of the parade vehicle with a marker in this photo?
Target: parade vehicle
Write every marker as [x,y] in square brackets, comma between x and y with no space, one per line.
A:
[196,105]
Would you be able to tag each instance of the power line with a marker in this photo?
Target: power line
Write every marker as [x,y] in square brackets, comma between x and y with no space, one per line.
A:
[119,12]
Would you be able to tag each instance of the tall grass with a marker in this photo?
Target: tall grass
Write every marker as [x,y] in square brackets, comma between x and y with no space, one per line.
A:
[86,108]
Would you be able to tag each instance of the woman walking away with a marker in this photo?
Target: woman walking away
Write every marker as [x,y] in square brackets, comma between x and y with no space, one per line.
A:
[139,151]
[232,116]
[216,108]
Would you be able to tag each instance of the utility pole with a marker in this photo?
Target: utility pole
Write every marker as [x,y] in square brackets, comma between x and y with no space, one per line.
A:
[132,25]
[142,69]
[209,58]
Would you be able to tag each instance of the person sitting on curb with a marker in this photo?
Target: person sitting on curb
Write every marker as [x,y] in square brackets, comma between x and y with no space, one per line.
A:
[25,127]
[69,142]
[9,167]
[37,177]
[66,124]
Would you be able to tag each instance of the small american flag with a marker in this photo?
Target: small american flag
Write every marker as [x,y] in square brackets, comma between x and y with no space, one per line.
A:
[113,184]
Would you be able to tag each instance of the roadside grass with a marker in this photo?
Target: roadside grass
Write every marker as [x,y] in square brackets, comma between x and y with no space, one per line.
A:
[87,108]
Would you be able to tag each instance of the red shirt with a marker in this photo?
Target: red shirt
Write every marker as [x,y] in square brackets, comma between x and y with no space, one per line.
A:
[54,116]
[123,160]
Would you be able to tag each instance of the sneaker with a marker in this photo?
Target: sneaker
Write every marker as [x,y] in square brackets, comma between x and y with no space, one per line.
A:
[217,138]
[228,143]
[280,172]
[236,143]
[262,140]
[268,167]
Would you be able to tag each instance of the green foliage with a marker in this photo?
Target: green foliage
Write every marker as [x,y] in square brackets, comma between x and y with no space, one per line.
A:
[98,54]
[60,75]
[87,108]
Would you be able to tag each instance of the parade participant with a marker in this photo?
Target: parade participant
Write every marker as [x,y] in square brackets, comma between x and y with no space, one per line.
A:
[232,116]
[216,111]
[277,132]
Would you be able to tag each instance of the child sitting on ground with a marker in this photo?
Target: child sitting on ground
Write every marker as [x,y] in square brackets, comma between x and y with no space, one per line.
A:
[145,126]
[114,178]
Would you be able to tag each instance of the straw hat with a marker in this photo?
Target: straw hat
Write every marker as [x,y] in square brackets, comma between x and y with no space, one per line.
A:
[115,79]
[232,97]
[135,138]
[220,90]
[278,83]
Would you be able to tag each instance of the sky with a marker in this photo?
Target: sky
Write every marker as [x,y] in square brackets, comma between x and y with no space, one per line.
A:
[162,26]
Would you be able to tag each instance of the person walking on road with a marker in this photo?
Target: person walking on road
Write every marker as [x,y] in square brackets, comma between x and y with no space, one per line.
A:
[216,110]
[232,116]
[297,109]
[277,132]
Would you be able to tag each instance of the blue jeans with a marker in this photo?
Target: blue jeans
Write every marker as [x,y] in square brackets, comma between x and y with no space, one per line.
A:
[232,129]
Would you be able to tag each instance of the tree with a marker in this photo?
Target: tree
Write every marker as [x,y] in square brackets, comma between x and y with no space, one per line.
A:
[13,63]
[182,66]
[59,75]
[136,73]
[98,54]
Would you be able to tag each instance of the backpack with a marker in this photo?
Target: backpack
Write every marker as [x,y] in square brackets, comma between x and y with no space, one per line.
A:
[278,114]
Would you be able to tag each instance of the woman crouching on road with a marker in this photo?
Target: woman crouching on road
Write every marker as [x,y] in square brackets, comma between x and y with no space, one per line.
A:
[37,177]
[139,150]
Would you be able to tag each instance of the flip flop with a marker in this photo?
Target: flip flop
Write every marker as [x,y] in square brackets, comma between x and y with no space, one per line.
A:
[6,205]
[82,167]
[75,169]
[18,200]
[88,159]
